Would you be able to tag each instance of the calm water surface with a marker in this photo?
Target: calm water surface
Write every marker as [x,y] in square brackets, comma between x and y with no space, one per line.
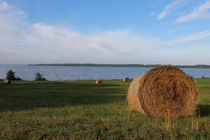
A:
[85,73]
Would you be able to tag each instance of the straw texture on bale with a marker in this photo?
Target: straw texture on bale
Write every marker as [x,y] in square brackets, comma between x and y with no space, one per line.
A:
[100,81]
[126,79]
[163,91]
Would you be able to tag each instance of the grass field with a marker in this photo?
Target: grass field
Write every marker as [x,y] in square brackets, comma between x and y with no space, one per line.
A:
[83,110]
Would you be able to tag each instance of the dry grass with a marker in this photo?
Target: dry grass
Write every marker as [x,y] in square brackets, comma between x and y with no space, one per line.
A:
[83,110]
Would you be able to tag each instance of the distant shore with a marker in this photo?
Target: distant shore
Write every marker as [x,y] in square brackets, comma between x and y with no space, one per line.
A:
[121,65]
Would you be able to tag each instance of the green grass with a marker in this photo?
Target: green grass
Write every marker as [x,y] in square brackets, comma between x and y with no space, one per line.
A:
[83,110]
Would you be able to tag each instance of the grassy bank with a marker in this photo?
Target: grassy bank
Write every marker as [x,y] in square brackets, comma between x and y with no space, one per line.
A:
[83,110]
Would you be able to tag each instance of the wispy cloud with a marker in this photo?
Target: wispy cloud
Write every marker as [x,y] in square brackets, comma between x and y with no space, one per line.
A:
[188,38]
[99,47]
[24,42]
[201,11]
[162,15]
[42,42]
[178,29]
[168,9]
[11,24]
[3,6]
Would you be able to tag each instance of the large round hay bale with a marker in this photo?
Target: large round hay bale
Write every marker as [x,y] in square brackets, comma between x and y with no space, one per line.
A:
[6,81]
[163,91]
[99,81]
[126,79]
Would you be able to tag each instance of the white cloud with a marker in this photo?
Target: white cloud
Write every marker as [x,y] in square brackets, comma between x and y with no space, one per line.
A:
[168,9]
[172,5]
[106,46]
[189,38]
[178,29]
[3,6]
[42,43]
[197,13]
[46,43]
[195,54]
[162,15]
[11,25]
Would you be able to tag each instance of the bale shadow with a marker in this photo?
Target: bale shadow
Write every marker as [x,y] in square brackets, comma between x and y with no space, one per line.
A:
[25,96]
[203,110]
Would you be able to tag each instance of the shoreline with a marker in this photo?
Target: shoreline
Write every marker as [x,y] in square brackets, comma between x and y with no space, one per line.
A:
[121,65]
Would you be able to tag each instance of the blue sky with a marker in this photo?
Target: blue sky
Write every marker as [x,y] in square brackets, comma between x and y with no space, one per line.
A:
[105,31]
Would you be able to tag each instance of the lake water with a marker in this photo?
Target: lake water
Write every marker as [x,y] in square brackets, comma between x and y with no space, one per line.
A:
[85,72]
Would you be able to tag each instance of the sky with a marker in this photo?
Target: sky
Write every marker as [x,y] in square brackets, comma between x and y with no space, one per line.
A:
[105,31]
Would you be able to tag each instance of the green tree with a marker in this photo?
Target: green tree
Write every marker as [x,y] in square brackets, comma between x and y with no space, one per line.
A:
[11,75]
[39,77]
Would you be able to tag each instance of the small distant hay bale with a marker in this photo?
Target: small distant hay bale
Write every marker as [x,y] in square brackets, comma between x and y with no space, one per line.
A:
[99,81]
[6,81]
[126,79]
[163,91]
